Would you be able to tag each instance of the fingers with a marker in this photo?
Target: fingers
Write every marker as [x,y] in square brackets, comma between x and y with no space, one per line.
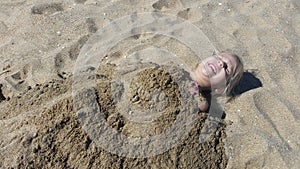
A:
[203,106]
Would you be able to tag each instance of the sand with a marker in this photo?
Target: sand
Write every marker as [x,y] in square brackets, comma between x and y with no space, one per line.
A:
[40,47]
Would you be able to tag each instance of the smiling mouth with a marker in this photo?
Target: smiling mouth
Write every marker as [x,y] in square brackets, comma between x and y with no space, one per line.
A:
[210,69]
[213,68]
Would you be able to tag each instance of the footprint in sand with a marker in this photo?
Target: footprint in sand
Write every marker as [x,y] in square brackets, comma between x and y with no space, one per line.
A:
[59,61]
[47,8]
[164,3]
[68,55]
[92,27]
[17,81]
[75,48]
[184,14]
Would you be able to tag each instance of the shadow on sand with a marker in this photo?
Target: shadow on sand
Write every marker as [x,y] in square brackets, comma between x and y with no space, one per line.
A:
[248,82]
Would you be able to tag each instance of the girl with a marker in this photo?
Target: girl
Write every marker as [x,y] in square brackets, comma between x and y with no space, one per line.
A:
[218,74]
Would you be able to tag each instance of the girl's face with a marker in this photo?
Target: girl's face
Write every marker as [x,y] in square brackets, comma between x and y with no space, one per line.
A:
[214,71]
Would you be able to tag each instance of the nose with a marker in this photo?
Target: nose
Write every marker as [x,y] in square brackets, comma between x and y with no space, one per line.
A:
[222,64]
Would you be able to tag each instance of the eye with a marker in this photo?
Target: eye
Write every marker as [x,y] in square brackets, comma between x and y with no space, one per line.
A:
[225,66]
[228,71]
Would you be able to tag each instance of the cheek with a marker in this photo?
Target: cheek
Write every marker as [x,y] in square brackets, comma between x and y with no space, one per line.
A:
[219,80]
[199,72]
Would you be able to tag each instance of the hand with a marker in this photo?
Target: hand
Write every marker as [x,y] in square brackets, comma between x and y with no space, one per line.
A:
[203,106]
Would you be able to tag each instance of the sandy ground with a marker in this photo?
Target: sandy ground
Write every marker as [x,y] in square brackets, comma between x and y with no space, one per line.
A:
[41,42]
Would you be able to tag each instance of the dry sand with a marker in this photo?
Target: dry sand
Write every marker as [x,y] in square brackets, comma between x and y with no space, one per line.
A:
[40,44]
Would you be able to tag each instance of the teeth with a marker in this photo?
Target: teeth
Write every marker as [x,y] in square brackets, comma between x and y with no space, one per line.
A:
[213,68]
[210,70]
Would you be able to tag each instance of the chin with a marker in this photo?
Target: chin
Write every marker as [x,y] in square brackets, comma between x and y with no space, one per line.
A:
[198,76]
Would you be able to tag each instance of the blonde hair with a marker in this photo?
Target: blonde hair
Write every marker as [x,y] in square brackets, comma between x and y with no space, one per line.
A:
[235,78]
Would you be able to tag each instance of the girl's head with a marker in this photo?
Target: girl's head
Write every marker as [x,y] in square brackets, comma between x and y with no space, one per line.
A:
[219,73]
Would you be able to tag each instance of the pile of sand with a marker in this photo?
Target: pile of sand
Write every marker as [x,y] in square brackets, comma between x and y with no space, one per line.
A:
[43,130]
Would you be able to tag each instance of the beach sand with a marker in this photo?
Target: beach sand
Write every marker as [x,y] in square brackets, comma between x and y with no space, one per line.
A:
[41,47]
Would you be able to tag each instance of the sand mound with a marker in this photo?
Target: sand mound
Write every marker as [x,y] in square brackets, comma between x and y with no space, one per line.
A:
[43,130]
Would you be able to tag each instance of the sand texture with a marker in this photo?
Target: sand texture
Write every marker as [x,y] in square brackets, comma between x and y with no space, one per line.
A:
[43,122]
